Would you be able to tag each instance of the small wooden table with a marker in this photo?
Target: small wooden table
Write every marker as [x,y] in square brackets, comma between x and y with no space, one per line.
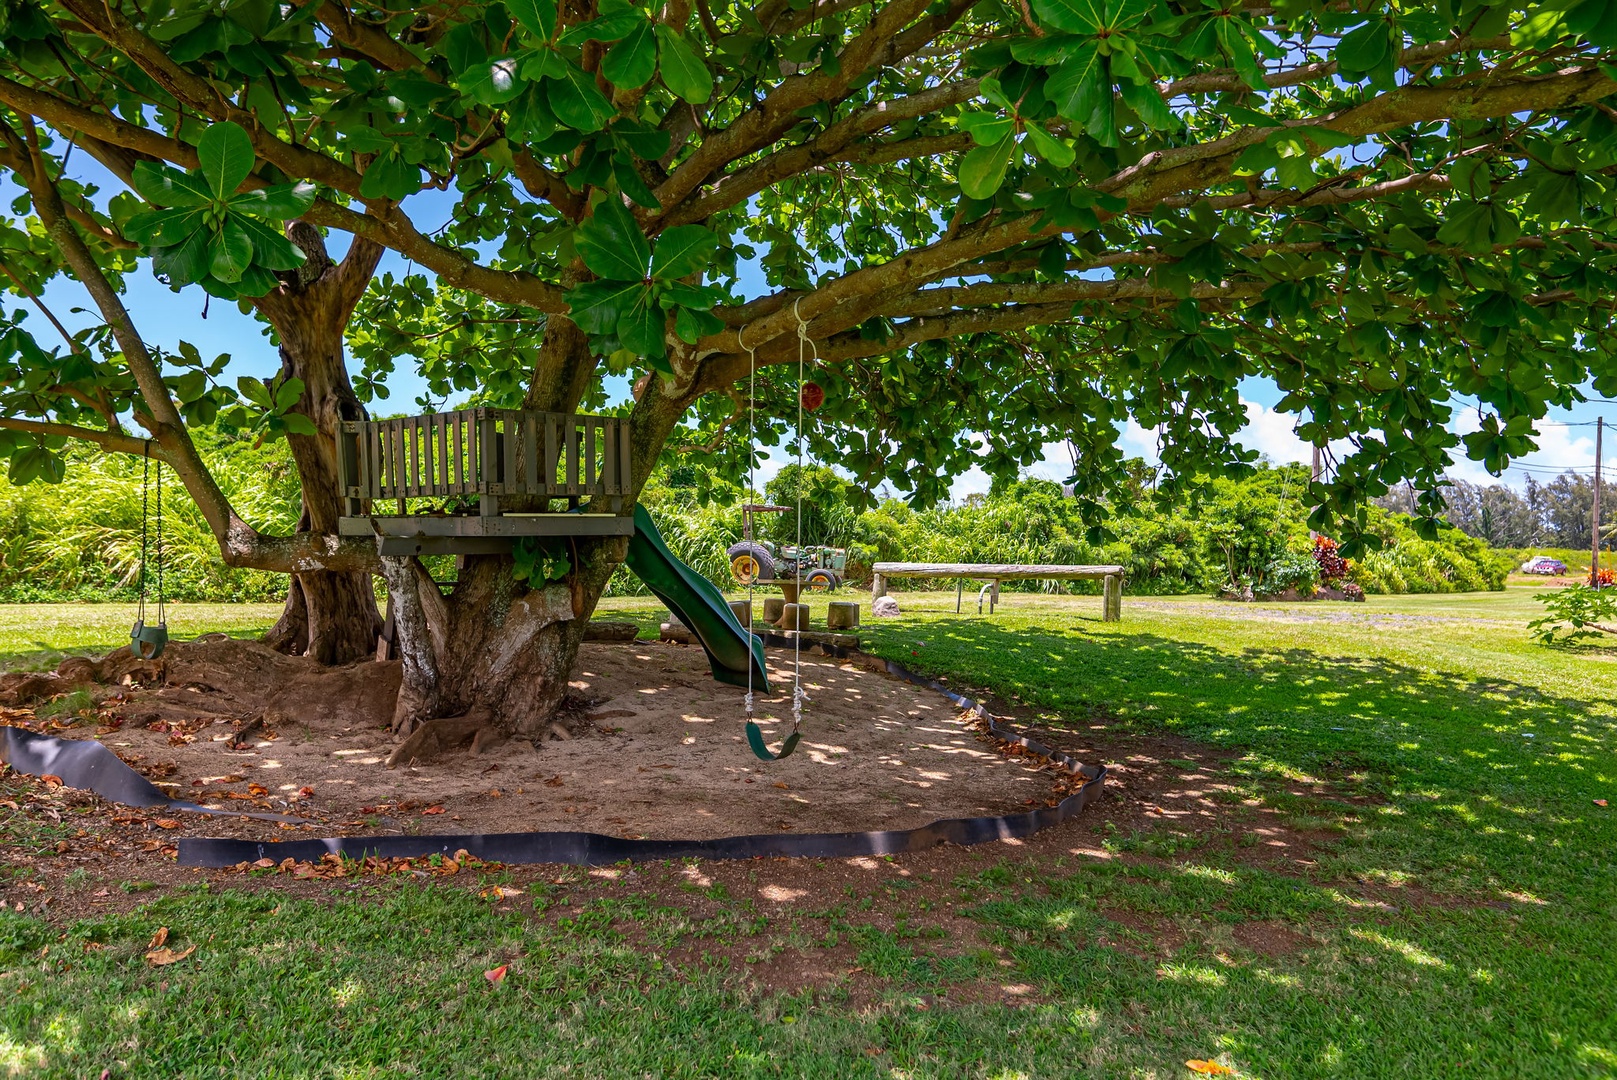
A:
[994,573]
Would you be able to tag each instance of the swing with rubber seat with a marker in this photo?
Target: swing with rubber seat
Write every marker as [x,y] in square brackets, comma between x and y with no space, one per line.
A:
[809,398]
[148,641]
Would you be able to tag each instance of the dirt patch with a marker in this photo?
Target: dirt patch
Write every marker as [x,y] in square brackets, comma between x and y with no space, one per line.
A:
[1271,938]
[648,745]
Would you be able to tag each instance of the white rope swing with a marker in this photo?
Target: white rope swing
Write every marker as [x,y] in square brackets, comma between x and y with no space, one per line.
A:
[805,345]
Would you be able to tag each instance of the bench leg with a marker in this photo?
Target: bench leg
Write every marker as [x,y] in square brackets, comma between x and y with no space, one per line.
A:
[1113,610]
[878,587]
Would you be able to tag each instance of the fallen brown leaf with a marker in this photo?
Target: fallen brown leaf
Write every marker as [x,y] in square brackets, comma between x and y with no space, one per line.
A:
[433,810]
[159,938]
[165,957]
[497,975]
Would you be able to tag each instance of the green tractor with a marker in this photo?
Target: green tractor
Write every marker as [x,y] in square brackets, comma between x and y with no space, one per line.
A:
[817,568]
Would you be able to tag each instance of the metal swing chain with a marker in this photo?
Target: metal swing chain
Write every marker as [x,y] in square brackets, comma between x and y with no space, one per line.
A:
[145,495]
[157,545]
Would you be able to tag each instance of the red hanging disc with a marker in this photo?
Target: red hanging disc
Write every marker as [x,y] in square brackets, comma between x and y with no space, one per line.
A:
[813,396]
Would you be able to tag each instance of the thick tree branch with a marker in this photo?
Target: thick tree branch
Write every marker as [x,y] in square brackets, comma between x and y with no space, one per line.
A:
[1160,176]
[112,441]
[883,42]
[835,143]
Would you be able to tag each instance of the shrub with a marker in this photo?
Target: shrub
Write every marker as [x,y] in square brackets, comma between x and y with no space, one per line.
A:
[1572,613]
[1290,571]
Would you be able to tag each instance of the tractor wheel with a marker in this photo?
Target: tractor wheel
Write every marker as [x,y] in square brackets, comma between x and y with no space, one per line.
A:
[750,563]
[820,581]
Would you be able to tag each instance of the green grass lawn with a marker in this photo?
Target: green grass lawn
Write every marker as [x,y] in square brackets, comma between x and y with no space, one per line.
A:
[1460,918]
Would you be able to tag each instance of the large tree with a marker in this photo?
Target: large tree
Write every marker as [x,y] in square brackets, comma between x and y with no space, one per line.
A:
[995,226]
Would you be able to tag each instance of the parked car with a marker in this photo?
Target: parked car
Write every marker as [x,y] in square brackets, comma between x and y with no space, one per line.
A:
[1543,564]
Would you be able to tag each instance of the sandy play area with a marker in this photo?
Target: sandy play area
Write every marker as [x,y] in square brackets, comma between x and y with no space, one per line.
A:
[649,745]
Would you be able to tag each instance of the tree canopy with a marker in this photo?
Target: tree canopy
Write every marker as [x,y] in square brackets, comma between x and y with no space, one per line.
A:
[990,225]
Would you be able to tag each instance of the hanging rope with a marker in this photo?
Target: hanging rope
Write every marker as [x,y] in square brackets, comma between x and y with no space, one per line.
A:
[755,735]
[752,497]
[798,696]
[148,642]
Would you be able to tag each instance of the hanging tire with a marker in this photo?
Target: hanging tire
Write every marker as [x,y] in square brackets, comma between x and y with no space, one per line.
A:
[820,581]
[751,562]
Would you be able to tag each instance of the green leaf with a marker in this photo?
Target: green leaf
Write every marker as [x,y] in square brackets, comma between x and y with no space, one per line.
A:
[629,180]
[607,28]
[1050,148]
[271,249]
[983,170]
[255,391]
[492,82]
[1468,227]
[37,464]
[280,201]
[1077,16]
[596,306]
[1077,87]
[287,394]
[1556,197]
[612,245]
[640,328]
[692,325]
[186,261]
[1360,51]
[682,69]
[298,424]
[574,97]
[230,252]
[538,17]
[165,228]
[986,129]
[225,153]
[162,185]
[389,176]
[1148,105]
[633,61]
[683,250]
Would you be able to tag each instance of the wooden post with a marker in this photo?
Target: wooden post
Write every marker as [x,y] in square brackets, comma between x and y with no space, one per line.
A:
[1594,527]
[1113,605]
[959,590]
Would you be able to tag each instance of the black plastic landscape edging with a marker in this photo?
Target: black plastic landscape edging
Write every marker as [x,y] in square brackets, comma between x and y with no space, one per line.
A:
[88,764]
[85,763]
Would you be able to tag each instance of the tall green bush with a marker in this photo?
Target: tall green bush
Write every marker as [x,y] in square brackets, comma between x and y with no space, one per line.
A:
[80,540]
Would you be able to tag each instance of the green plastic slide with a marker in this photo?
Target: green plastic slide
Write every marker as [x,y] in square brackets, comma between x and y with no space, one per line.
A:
[699,606]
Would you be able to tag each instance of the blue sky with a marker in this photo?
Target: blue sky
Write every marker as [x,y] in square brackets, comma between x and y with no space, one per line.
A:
[165,317]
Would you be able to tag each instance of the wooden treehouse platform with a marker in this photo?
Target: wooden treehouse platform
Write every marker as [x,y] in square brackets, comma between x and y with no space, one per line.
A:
[531,473]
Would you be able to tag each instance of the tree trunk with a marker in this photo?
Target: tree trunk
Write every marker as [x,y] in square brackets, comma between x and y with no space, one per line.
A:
[492,644]
[502,648]
[329,615]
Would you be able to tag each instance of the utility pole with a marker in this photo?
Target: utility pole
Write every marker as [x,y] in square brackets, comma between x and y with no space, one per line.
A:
[1594,540]
[1314,476]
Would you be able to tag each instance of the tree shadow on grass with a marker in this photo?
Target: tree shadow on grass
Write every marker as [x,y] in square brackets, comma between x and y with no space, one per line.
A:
[1487,780]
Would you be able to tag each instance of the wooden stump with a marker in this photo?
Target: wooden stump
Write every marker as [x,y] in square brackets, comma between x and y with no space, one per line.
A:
[743,611]
[774,607]
[842,615]
[795,617]
[1113,611]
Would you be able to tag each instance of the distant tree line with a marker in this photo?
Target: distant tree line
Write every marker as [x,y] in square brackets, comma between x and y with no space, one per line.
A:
[1556,514]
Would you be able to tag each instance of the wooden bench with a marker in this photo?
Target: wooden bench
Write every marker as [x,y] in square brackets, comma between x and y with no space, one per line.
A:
[994,573]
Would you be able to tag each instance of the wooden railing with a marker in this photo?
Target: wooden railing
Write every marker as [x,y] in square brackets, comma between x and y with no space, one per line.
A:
[490,453]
